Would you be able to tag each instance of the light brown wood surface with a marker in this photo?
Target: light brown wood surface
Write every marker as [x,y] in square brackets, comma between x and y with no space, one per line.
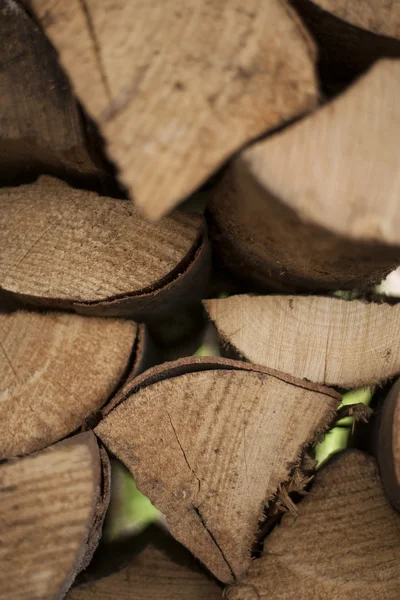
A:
[211,447]
[152,576]
[331,341]
[388,446]
[55,370]
[381,17]
[68,248]
[177,88]
[41,126]
[344,543]
[48,504]
[315,206]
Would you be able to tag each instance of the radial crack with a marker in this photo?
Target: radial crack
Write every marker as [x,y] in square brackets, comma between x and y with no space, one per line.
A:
[182,450]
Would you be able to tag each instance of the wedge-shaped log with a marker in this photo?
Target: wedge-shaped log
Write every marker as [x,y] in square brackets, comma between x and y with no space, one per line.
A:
[351,35]
[331,341]
[151,576]
[175,91]
[344,544]
[41,126]
[315,206]
[388,447]
[209,441]
[55,371]
[67,248]
[52,509]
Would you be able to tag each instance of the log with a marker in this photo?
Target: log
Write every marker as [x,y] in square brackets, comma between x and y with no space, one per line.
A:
[351,36]
[176,91]
[42,128]
[52,509]
[151,576]
[388,446]
[70,249]
[315,206]
[349,344]
[56,371]
[209,441]
[344,544]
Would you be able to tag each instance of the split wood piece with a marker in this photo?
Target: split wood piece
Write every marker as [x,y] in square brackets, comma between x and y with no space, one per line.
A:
[315,206]
[56,370]
[388,447]
[325,340]
[345,542]
[209,441]
[71,249]
[50,505]
[41,125]
[152,576]
[351,35]
[176,92]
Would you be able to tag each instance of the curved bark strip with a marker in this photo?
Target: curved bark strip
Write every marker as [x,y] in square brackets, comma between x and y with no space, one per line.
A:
[153,575]
[56,370]
[71,249]
[388,448]
[344,543]
[210,442]
[171,113]
[351,36]
[41,126]
[316,206]
[50,503]
[324,340]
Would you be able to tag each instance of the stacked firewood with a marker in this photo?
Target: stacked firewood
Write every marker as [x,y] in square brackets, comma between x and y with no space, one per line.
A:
[169,168]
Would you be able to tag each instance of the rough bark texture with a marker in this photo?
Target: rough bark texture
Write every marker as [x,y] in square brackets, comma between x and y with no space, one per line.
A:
[331,341]
[49,504]
[170,112]
[152,576]
[71,249]
[351,36]
[344,543]
[209,441]
[388,450]
[315,206]
[41,125]
[55,371]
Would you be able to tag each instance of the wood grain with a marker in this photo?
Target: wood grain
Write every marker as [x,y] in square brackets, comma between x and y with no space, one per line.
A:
[344,543]
[55,370]
[68,248]
[210,448]
[176,91]
[48,504]
[152,576]
[41,126]
[325,340]
[315,206]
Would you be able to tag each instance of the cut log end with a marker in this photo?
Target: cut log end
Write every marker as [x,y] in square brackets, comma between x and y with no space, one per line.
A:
[388,453]
[49,505]
[56,370]
[209,441]
[344,542]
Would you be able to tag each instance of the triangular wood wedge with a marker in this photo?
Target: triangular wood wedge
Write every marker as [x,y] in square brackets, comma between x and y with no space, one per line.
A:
[388,447]
[325,340]
[152,576]
[209,441]
[52,507]
[315,206]
[67,248]
[176,91]
[351,35]
[345,542]
[55,371]
[41,126]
